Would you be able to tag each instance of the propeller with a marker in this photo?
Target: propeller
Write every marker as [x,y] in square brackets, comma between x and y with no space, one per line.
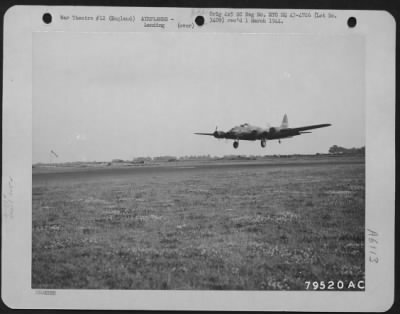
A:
[216,131]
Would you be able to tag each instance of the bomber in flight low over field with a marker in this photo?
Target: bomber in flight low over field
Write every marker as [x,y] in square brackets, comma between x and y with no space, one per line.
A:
[249,132]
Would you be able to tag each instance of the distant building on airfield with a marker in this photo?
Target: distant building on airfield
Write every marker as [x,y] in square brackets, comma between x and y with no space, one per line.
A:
[165,158]
[142,160]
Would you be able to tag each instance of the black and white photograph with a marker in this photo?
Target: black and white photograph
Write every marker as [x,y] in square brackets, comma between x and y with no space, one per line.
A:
[127,195]
[180,158]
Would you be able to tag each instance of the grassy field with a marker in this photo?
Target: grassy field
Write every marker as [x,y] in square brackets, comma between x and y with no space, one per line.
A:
[252,228]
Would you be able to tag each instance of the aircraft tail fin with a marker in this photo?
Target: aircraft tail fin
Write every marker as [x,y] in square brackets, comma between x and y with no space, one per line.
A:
[285,123]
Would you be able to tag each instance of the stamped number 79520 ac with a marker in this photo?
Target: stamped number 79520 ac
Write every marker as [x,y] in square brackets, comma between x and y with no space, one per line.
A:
[334,285]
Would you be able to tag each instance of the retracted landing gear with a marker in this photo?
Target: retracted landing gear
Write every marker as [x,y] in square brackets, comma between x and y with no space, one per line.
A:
[235,144]
[263,143]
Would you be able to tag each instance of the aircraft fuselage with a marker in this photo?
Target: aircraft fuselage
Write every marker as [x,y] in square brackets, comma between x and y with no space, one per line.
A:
[253,133]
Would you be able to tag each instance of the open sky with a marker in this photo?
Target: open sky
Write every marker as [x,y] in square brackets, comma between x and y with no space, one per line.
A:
[100,96]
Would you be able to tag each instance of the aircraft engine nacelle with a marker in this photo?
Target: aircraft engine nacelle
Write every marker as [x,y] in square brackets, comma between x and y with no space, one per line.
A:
[219,134]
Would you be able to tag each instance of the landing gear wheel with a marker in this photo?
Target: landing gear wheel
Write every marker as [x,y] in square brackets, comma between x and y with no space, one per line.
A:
[263,143]
[279,141]
[235,144]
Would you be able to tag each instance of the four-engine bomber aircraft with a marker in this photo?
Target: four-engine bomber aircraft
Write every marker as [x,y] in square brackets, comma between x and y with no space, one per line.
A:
[252,133]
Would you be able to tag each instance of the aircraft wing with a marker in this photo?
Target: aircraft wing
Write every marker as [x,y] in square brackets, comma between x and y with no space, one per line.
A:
[309,127]
[205,134]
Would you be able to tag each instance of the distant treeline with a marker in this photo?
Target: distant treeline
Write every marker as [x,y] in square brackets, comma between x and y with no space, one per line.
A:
[334,150]
[208,157]
[342,150]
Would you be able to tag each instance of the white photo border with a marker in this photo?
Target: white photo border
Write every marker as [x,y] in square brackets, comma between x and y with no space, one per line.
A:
[378,29]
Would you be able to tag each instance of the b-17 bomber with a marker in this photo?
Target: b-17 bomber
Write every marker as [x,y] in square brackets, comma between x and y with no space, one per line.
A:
[249,132]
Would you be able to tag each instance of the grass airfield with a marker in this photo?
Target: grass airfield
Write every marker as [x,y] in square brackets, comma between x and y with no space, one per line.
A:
[232,225]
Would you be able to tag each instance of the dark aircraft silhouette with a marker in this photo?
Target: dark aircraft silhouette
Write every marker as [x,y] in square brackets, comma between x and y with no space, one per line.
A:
[248,132]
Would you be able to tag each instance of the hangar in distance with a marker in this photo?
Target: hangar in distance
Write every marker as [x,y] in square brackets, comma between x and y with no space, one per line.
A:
[249,132]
